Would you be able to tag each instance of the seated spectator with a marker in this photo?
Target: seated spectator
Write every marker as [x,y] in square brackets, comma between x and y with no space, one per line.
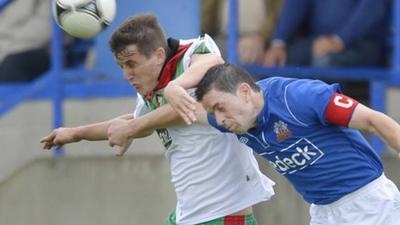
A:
[256,21]
[339,33]
[25,31]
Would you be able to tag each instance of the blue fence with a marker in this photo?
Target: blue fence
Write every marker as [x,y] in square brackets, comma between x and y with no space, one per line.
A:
[182,21]
[4,3]
[179,17]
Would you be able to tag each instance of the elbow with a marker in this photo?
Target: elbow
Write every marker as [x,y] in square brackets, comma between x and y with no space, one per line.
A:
[219,60]
[216,60]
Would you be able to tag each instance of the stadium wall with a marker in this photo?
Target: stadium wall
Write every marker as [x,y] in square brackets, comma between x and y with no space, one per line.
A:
[91,186]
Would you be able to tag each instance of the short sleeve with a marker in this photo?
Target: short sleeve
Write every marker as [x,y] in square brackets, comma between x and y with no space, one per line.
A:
[205,44]
[340,109]
[202,45]
[306,100]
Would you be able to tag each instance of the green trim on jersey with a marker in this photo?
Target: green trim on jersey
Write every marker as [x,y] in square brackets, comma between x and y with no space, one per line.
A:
[156,101]
[158,96]
[202,49]
[248,220]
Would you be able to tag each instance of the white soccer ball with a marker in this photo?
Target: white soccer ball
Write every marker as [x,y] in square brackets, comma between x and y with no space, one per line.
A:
[84,18]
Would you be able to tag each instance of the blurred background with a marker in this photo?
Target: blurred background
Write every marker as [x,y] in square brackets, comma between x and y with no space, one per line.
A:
[49,79]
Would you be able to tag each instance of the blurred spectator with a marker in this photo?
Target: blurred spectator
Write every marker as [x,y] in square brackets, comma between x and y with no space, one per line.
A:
[256,22]
[337,33]
[24,37]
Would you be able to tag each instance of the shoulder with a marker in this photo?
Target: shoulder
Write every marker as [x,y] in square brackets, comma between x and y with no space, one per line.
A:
[201,45]
[307,86]
[275,85]
[204,44]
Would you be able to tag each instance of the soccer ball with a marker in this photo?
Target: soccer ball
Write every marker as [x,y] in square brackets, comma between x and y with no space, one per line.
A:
[84,18]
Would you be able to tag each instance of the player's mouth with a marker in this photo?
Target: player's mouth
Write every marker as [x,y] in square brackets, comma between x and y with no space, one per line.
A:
[230,127]
[234,128]
[136,86]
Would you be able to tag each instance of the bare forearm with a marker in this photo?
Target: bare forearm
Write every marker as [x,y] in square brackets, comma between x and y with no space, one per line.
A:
[93,132]
[199,66]
[162,117]
[370,120]
[96,131]
[387,129]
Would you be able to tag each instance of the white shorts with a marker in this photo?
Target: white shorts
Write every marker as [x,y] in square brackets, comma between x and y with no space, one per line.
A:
[377,203]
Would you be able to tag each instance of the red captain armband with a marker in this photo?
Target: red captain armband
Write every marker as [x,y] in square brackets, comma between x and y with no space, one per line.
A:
[339,109]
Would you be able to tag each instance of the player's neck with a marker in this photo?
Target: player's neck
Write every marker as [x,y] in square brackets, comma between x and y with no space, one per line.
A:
[258,105]
[259,101]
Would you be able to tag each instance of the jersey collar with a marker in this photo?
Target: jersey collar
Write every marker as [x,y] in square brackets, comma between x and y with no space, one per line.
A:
[174,53]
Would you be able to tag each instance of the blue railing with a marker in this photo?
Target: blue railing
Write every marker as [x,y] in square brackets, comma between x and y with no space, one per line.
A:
[52,85]
[56,80]
[60,83]
[4,3]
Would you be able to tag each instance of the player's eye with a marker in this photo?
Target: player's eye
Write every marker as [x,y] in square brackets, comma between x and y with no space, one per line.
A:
[131,65]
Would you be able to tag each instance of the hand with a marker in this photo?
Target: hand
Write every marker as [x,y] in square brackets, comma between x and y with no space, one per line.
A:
[325,45]
[118,134]
[60,136]
[201,114]
[181,102]
[250,49]
[275,56]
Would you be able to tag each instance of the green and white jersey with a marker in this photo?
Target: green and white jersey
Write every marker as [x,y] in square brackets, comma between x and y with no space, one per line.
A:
[213,173]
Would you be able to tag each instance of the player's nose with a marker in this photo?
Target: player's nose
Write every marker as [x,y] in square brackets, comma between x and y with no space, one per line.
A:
[220,118]
[128,74]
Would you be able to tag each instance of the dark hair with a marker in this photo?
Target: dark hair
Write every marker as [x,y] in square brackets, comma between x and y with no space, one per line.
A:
[224,77]
[142,30]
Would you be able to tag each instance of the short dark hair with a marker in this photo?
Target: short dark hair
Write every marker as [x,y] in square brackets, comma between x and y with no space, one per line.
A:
[224,77]
[142,30]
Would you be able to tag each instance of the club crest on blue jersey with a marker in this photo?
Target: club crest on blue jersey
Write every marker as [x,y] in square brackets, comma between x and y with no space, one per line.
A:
[297,156]
[281,130]
[244,140]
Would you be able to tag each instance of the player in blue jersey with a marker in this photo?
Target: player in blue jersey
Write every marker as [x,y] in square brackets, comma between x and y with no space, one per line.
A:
[309,132]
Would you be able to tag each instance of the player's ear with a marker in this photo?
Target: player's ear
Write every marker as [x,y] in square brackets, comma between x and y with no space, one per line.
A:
[244,91]
[161,55]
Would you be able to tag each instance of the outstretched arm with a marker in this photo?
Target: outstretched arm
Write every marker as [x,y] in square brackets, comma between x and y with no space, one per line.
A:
[91,132]
[121,132]
[370,120]
[175,92]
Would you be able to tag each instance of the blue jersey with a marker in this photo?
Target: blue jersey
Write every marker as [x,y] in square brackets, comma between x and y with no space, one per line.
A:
[322,160]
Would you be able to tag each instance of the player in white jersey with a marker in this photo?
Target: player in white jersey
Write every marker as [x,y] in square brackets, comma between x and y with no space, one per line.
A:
[226,169]
[216,178]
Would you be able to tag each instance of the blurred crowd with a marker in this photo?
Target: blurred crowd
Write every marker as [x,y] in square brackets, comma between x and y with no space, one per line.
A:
[24,40]
[317,33]
[25,35]
[329,33]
